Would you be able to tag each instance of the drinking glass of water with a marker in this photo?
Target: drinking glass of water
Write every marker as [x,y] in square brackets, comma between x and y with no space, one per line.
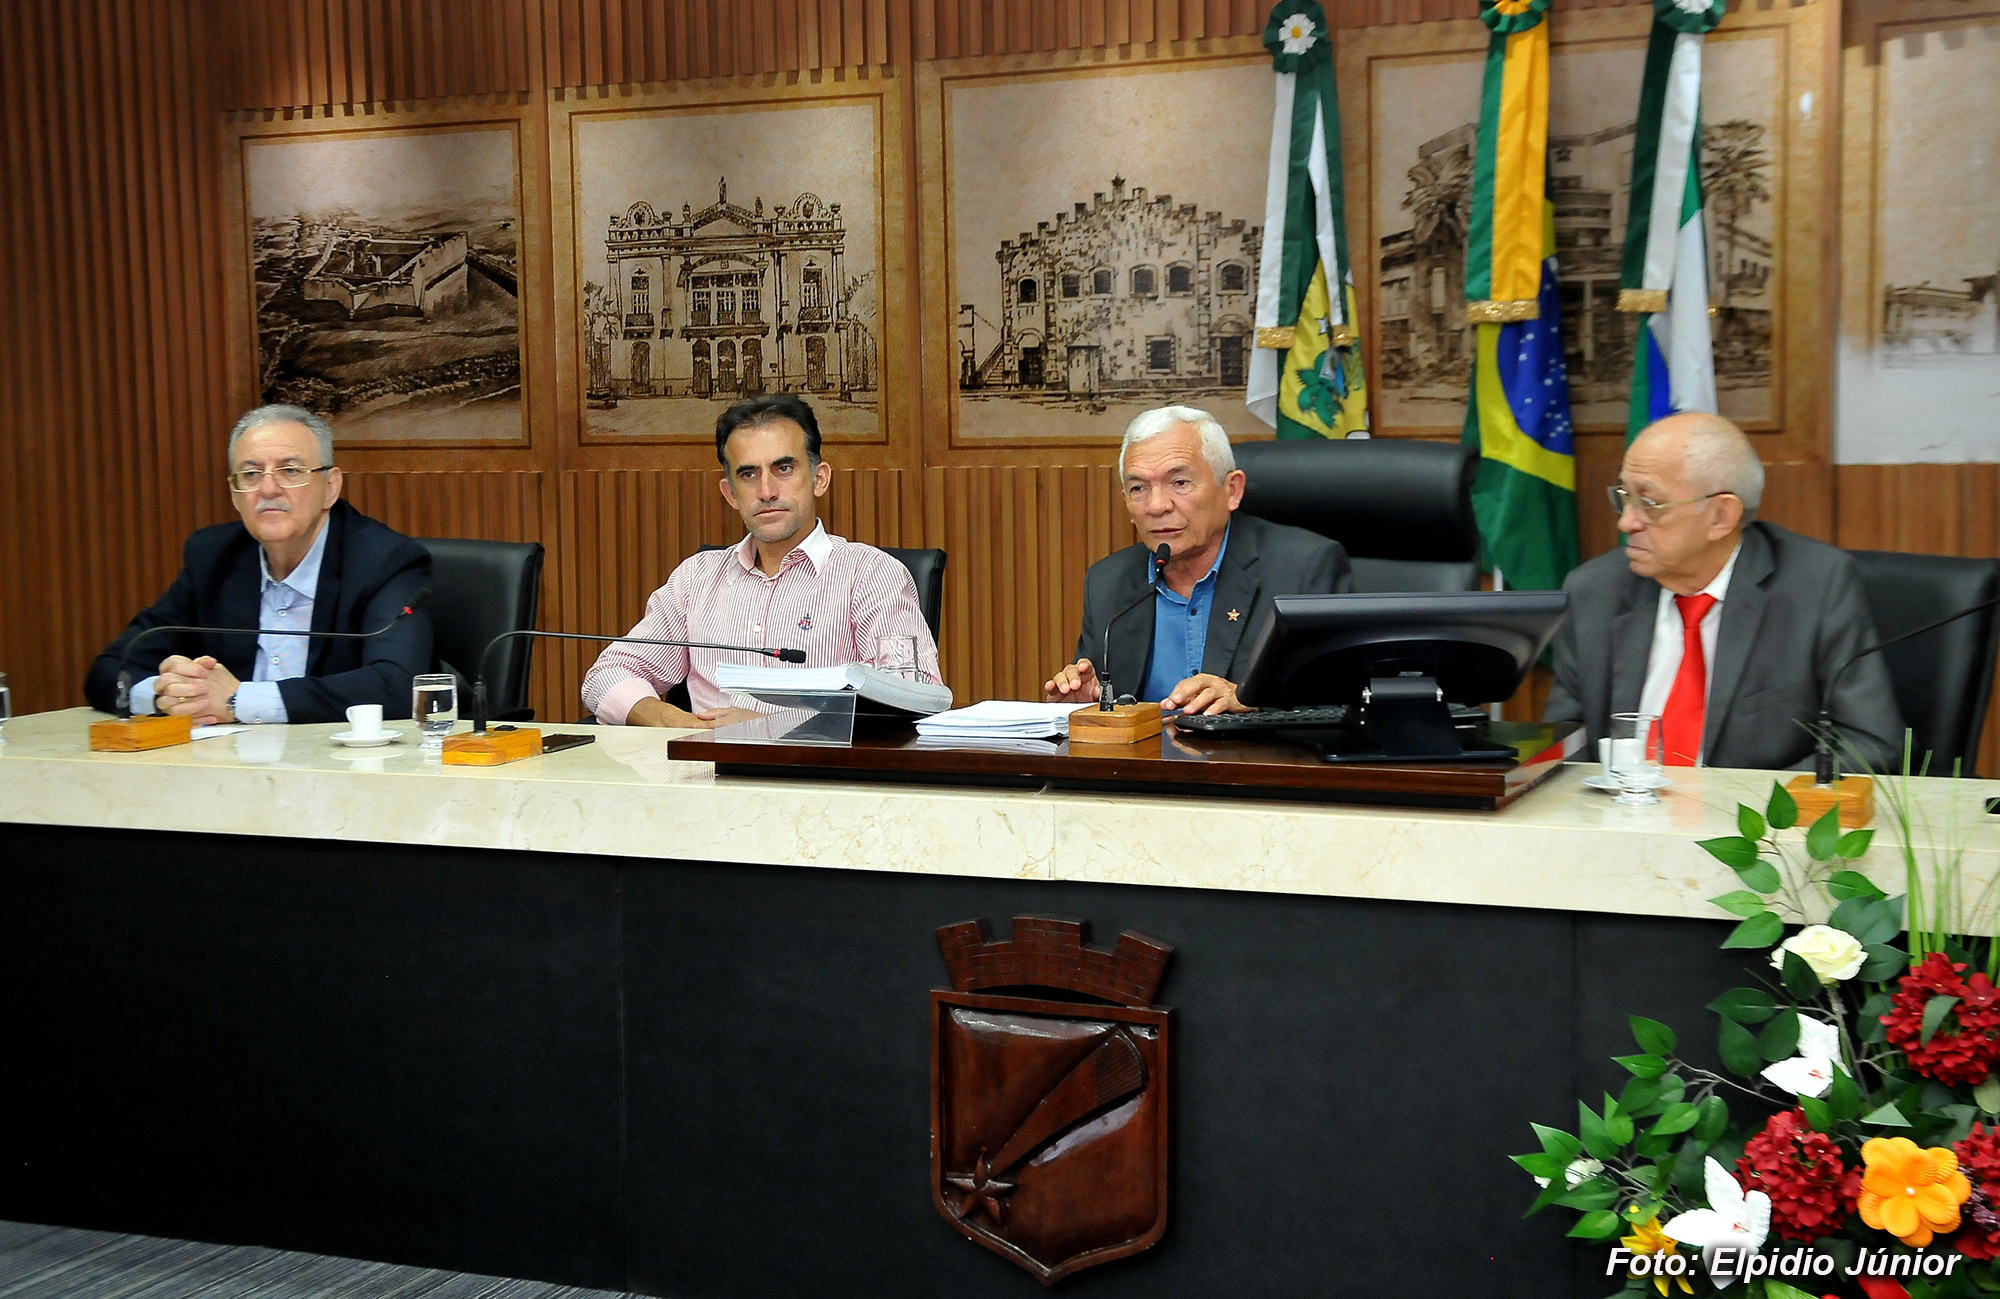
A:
[6,706]
[1636,758]
[434,703]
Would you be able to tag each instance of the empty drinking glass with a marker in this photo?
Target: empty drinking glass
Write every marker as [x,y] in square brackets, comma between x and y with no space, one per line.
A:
[897,655]
[1636,757]
[434,703]
[6,706]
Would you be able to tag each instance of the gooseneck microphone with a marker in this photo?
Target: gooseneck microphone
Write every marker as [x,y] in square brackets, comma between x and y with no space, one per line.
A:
[124,700]
[485,655]
[1825,770]
[1106,697]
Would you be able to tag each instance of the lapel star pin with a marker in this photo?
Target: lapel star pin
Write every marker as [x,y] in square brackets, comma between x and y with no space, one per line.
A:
[1232,615]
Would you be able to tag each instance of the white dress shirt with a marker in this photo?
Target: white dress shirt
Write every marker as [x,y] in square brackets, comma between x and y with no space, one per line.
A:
[282,606]
[1663,661]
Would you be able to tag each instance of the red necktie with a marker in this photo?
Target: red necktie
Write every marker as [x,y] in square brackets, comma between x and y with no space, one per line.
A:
[1686,712]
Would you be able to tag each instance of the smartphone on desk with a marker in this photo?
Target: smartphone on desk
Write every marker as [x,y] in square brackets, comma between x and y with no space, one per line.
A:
[556,743]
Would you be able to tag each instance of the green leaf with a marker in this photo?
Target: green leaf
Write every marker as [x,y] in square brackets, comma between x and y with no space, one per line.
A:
[1934,1012]
[1619,1128]
[1596,1193]
[1649,1146]
[1799,978]
[1776,1289]
[1749,821]
[1557,1143]
[1988,1094]
[1714,1118]
[1641,1066]
[1886,1116]
[1883,962]
[1759,875]
[1678,1118]
[1740,903]
[1652,1035]
[1757,931]
[1870,920]
[1600,1224]
[1780,1039]
[1595,1139]
[1745,1005]
[1688,1169]
[1781,811]
[1543,1165]
[1641,1095]
[1824,836]
[1842,885]
[1738,1050]
[1843,1097]
[1817,1112]
[1853,844]
[1733,851]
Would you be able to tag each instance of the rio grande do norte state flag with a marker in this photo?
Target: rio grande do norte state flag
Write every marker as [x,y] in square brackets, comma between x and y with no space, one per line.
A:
[1305,378]
[1665,271]
[1518,411]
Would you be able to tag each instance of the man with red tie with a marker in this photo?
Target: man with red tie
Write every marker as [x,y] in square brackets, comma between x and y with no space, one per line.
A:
[1725,628]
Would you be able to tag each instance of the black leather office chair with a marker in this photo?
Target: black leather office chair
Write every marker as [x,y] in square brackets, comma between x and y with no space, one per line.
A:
[1402,509]
[478,590]
[1942,678]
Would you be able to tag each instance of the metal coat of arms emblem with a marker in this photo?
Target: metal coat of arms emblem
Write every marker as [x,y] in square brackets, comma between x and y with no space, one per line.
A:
[1049,1070]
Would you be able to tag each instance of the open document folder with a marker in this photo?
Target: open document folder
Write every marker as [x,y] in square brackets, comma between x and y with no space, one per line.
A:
[885,692]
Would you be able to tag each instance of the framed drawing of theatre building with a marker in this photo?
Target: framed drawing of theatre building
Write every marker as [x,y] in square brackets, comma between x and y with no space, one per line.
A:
[717,243]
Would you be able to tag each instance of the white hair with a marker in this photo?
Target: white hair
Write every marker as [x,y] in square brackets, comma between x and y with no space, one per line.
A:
[1720,458]
[322,431]
[1214,441]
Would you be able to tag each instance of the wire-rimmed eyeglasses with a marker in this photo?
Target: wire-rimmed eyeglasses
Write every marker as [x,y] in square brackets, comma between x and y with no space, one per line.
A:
[1648,509]
[289,477]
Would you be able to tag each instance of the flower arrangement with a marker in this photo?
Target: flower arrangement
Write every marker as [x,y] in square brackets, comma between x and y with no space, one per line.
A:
[1872,1163]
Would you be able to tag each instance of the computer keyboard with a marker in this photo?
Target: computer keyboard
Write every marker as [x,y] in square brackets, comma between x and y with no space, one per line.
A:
[1264,719]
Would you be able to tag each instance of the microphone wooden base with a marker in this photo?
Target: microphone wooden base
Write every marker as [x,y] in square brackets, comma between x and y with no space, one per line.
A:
[1854,794]
[1125,724]
[137,734]
[493,749]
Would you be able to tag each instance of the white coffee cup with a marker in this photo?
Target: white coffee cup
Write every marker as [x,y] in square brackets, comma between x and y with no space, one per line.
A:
[364,721]
[1625,748]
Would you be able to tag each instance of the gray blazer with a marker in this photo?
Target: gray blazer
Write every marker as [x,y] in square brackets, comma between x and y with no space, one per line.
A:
[1793,615]
[1264,559]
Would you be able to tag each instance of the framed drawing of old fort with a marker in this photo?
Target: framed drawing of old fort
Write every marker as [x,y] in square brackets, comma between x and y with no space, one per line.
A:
[1091,231]
[376,268]
[1410,113]
[1920,233]
[726,240]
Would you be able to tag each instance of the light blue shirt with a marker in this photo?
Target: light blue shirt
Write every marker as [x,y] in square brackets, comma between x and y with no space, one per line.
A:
[1180,631]
[282,606]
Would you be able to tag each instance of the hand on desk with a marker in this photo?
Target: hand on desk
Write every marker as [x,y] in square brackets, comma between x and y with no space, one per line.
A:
[1075,684]
[1205,693]
[197,688]
[658,712]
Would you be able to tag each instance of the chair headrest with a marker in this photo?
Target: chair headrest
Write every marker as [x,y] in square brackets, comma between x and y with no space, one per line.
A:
[1378,497]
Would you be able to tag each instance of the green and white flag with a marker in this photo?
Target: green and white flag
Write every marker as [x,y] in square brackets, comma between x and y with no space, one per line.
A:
[1665,271]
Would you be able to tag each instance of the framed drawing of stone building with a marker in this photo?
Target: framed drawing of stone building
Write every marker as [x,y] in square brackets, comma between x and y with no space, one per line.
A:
[378,266]
[717,244]
[1091,238]
[1410,107]
[1920,234]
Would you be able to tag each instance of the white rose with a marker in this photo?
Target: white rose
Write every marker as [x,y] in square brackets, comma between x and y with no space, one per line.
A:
[1578,1172]
[1833,954]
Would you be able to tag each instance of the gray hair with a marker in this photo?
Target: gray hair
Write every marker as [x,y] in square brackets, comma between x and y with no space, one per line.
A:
[1720,458]
[1214,441]
[321,430]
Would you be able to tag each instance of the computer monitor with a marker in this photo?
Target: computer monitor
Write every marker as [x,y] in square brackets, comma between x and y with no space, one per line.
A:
[1399,661]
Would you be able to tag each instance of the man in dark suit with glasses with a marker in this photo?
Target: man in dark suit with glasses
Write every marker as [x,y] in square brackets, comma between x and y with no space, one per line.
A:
[300,559]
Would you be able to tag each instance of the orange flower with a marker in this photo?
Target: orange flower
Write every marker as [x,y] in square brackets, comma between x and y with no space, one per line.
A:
[1646,1238]
[1910,1193]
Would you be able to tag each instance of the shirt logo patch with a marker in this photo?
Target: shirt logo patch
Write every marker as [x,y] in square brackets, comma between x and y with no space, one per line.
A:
[806,623]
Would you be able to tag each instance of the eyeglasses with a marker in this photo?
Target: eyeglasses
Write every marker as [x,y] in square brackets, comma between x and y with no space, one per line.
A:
[1648,509]
[289,477]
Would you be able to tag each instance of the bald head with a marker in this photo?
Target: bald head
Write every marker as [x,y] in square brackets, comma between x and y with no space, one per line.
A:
[1708,454]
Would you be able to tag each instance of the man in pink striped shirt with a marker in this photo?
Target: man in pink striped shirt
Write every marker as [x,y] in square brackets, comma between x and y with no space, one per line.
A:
[790,584]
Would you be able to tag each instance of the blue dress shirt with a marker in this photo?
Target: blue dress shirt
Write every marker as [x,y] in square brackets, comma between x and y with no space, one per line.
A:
[1180,631]
[282,606]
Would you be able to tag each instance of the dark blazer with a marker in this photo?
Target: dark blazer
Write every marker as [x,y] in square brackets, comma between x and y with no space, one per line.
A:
[1793,614]
[367,573]
[1263,560]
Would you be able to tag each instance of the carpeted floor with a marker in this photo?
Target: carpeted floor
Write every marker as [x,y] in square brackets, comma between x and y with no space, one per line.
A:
[38,1262]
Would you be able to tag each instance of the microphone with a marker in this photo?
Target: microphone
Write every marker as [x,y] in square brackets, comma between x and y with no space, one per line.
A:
[1106,699]
[479,686]
[124,700]
[1825,771]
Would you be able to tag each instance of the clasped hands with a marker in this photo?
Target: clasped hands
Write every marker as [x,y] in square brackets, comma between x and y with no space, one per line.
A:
[1203,692]
[197,688]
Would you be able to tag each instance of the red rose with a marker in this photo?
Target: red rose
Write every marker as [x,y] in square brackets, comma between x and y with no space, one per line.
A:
[1967,1043]
[1811,1191]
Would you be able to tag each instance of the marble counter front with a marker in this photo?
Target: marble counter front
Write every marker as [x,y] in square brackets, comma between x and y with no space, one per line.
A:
[1562,847]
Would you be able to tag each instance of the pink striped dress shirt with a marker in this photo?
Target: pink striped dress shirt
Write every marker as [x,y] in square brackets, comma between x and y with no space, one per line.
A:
[831,597]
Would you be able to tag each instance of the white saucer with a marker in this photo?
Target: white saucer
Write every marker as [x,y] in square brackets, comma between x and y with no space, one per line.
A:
[353,741]
[1608,785]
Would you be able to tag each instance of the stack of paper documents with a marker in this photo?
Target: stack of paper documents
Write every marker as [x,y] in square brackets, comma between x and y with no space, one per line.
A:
[999,719]
[776,684]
